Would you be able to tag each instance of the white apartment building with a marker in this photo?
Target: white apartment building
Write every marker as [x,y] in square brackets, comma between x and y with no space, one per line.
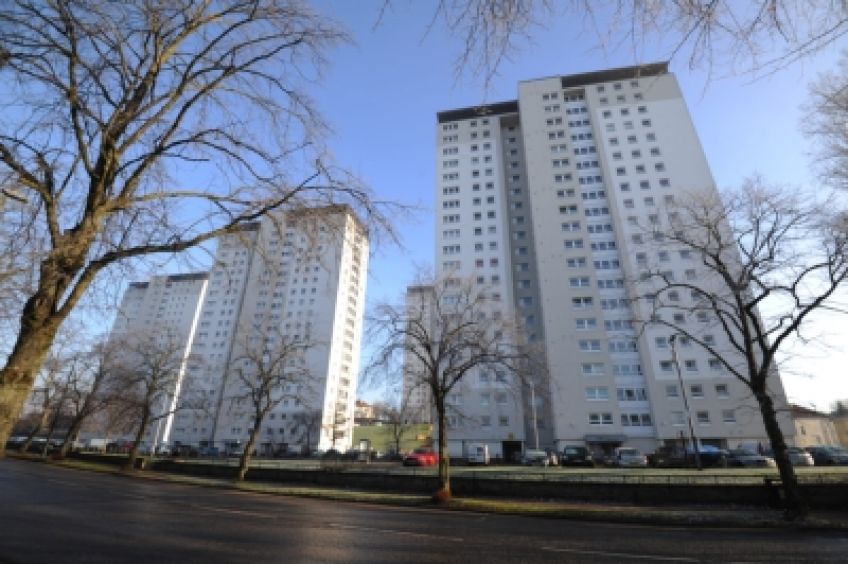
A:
[163,310]
[302,276]
[417,399]
[550,200]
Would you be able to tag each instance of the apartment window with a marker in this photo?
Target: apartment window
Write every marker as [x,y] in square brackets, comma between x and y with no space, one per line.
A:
[728,416]
[697,390]
[585,324]
[722,391]
[597,393]
[646,123]
[590,345]
[691,366]
[666,365]
[659,167]
[503,420]
[671,391]
[592,368]
[703,417]
[600,419]
[578,262]
[577,282]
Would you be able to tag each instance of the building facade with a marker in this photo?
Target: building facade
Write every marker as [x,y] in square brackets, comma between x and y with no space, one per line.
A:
[813,428]
[163,312]
[297,277]
[551,200]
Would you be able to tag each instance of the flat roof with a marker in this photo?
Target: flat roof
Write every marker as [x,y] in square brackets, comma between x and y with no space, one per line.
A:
[508,107]
[567,81]
[622,73]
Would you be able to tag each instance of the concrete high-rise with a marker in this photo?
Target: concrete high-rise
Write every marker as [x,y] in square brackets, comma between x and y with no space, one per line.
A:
[555,201]
[298,276]
[164,311]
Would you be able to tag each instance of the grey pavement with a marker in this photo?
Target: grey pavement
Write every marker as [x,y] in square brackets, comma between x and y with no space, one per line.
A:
[53,514]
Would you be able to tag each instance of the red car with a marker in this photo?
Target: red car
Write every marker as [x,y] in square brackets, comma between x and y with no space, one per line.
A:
[421,457]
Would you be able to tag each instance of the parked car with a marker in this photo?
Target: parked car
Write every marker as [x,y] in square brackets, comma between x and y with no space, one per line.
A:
[628,457]
[421,457]
[538,457]
[828,455]
[576,456]
[670,457]
[797,456]
[743,458]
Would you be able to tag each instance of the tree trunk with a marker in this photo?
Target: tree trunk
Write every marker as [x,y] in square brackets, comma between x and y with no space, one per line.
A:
[45,413]
[244,459]
[41,317]
[794,504]
[142,428]
[72,434]
[52,428]
[18,375]
[444,493]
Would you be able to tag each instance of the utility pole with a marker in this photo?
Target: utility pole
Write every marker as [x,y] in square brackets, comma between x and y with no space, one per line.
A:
[673,342]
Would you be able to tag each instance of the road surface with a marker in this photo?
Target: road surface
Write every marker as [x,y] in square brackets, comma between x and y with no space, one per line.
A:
[56,515]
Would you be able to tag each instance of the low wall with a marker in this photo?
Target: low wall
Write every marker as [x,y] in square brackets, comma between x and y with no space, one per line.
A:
[820,496]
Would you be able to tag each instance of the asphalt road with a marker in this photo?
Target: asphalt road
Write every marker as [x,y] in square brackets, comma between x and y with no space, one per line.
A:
[57,515]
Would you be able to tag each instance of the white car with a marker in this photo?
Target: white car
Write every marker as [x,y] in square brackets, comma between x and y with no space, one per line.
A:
[629,457]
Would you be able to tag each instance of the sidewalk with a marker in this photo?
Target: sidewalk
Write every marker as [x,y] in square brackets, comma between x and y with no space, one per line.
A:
[705,516]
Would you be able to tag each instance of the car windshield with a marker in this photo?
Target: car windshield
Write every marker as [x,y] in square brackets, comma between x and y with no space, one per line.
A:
[629,451]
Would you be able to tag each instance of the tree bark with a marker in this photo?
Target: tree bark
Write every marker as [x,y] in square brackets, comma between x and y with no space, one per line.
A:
[444,458]
[794,506]
[53,421]
[72,434]
[18,375]
[40,321]
[45,414]
[244,459]
[142,428]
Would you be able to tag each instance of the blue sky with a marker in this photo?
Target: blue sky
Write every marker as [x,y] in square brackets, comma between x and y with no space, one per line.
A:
[381,96]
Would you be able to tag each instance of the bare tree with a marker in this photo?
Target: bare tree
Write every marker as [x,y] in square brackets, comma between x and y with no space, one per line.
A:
[85,390]
[143,379]
[451,331]
[760,36]
[308,422]
[142,127]
[269,369]
[46,393]
[396,418]
[771,259]
[827,123]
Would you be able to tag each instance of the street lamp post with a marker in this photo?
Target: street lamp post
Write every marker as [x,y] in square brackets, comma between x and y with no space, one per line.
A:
[673,342]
